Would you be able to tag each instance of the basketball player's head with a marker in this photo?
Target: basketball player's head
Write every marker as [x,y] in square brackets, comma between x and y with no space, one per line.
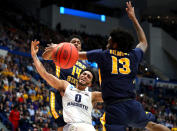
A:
[76,41]
[86,78]
[120,40]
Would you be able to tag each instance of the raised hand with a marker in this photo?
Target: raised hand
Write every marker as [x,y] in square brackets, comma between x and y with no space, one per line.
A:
[50,47]
[130,10]
[34,47]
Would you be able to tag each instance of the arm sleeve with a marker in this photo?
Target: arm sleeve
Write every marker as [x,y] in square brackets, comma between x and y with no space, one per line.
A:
[139,54]
[95,56]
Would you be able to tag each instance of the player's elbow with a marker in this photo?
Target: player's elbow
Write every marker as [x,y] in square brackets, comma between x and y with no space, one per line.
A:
[145,45]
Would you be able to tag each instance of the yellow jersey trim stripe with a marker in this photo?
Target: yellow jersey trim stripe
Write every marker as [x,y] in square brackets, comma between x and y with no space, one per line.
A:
[103,121]
[58,71]
[99,73]
[52,105]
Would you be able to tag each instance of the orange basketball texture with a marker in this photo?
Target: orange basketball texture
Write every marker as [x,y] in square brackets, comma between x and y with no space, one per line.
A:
[65,55]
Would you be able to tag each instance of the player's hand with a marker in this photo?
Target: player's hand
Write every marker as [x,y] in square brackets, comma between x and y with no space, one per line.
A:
[130,10]
[50,47]
[47,55]
[34,47]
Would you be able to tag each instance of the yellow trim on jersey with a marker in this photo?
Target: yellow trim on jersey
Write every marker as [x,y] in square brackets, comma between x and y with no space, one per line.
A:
[174,129]
[103,121]
[99,74]
[58,71]
[52,105]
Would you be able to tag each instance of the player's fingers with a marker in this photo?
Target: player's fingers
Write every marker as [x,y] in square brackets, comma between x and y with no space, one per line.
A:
[36,42]
[48,48]
[37,47]
[127,4]
[130,4]
[49,44]
[126,9]
[32,43]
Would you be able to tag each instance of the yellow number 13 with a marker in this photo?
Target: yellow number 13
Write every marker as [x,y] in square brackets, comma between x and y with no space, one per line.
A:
[126,65]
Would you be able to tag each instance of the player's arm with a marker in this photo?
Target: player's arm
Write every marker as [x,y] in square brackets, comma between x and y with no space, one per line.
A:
[83,55]
[51,79]
[47,55]
[96,97]
[141,35]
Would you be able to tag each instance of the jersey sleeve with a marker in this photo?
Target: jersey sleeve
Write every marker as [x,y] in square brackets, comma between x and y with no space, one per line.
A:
[139,54]
[95,56]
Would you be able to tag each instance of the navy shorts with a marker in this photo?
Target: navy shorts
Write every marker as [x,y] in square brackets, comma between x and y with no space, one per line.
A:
[124,114]
[56,107]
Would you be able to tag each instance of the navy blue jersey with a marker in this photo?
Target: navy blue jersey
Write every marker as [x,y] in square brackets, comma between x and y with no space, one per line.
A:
[117,72]
[72,74]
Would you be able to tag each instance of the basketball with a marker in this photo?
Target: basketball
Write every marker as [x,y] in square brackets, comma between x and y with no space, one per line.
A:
[65,55]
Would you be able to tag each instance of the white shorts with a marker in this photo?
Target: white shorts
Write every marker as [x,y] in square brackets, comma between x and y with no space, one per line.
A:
[78,127]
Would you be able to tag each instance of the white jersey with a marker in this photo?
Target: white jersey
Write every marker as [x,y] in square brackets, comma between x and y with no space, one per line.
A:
[77,105]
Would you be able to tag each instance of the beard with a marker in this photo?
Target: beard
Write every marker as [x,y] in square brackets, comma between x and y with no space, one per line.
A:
[83,84]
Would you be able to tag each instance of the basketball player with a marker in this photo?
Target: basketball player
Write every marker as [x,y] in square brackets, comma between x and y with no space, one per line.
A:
[118,68]
[71,75]
[77,102]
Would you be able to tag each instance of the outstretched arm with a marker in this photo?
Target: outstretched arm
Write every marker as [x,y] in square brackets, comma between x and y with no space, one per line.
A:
[47,55]
[141,35]
[51,80]
[96,97]
[83,55]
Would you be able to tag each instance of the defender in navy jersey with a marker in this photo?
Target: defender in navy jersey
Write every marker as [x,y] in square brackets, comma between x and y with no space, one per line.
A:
[71,75]
[118,67]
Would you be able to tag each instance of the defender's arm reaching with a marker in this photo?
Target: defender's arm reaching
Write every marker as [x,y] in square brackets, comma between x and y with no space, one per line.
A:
[141,35]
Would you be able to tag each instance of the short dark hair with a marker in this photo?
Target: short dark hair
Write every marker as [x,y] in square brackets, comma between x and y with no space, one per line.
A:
[93,74]
[75,36]
[123,38]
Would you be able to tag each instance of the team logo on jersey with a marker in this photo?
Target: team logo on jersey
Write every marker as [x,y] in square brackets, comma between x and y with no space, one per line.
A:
[78,105]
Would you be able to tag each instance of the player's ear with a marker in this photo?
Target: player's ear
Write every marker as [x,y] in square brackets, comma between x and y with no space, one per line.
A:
[115,45]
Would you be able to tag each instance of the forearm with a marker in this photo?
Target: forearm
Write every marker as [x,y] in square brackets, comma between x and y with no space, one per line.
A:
[83,55]
[51,79]
[139,30]
[97,97]
[141,35]
[39,66]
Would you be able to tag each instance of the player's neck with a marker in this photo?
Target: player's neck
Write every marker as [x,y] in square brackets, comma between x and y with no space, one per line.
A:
[80,87]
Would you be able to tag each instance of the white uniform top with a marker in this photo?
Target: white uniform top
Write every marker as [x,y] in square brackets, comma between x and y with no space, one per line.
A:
[77,105]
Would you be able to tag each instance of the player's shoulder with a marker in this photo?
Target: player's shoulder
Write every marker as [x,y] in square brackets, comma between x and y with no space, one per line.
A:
[137,54]
[71,87]
[136,51]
